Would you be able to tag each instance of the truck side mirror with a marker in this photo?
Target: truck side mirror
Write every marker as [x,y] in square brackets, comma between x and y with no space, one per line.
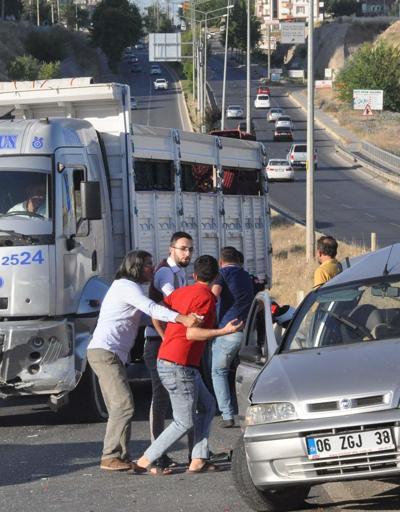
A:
[91,200]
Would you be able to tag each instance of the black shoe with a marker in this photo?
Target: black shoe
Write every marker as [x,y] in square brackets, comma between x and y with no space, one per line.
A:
[165,462]
[226,423]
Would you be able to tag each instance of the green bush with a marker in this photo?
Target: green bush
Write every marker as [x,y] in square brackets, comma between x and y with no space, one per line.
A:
[48,45]
[27,67]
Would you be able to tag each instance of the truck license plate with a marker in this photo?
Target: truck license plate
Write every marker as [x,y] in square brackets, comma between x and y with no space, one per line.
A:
[348,444]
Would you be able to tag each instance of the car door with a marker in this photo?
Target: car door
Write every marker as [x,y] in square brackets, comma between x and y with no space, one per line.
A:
[258,346]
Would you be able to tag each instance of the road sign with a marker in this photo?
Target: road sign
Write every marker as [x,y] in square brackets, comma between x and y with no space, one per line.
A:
[165,47]
[367,111]
[293,33]
[372,98]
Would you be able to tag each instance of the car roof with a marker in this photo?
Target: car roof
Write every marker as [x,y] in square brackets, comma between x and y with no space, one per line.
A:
[276,109]
[234,106]
[284,118]
[278,160]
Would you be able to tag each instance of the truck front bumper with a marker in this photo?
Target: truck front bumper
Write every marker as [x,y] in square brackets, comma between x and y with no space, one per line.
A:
[37,357]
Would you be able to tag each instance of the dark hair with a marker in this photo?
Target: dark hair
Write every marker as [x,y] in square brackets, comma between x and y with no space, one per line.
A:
[206,268]
[230,254]
[132,266]
[327,245]
[179,234]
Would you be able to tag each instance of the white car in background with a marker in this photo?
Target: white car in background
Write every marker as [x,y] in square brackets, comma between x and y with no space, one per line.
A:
[279,169]
[274,113]
[160,83]
[133,103]
[262,101]
[234,112]
[155,69]
[284,122]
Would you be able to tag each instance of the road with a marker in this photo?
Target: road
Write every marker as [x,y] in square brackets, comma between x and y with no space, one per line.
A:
[348,203]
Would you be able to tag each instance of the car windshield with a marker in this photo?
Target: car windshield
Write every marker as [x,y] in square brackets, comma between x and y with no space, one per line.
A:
[355,313]
[278,162]
[300,149]
[284,118]
[234,107]
[263,97]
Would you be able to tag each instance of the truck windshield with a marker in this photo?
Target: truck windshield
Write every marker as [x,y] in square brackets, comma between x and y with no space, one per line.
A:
[25,194]
[354,314]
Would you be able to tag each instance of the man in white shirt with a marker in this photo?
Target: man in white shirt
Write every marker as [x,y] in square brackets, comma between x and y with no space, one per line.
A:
[35,202]
[108,350]
[170,275]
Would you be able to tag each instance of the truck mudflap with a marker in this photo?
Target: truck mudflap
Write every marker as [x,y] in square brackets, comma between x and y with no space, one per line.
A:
[37,357]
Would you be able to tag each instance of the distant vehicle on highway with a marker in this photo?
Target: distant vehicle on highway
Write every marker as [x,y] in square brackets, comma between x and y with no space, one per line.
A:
[234,112]
[242,126]
[274,113]
[136,68]
[160,83]
[133,59]
[139,46]
[133,103]
[263,89]
[262,101]
[233,134]
[297,156]
[284,121]
[283,133]
[321,404]
[155,69]
[279,170]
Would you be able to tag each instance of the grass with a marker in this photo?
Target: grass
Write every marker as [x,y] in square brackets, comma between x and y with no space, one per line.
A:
[290,271]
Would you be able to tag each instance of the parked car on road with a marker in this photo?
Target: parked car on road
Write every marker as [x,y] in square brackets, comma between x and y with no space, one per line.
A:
[323,406]
[263,89]
[139,46]
[274,113]
[155,69]
[297,156]
[234,112]
[262,101]
[279,170]
[283,133]
[285,121]
[160,83]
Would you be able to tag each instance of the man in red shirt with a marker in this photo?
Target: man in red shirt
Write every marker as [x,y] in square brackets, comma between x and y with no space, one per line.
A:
[178,367]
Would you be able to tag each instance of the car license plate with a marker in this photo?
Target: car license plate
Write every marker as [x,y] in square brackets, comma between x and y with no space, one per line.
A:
[349,444]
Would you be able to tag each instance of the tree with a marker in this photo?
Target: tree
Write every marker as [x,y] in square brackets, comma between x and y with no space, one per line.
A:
[24,67]
[157,20]
[74,15]
[341,7]
[116,25]
[238,27]
[372,67]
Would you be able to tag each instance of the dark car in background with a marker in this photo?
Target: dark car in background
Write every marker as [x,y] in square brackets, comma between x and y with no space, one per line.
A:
[283,133]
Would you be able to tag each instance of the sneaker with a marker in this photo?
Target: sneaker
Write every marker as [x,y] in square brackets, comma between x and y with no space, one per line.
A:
[226,423]
[115,464]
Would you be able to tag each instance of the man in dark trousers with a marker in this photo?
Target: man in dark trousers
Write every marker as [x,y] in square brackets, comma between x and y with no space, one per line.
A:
[235,290]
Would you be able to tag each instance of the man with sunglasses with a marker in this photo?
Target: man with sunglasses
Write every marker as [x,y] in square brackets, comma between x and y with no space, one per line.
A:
[169,275]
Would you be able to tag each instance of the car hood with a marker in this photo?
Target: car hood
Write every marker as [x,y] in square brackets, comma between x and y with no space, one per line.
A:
[328,375]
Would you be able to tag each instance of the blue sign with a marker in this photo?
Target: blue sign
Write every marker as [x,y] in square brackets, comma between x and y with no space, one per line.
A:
[8,141]
[37,142]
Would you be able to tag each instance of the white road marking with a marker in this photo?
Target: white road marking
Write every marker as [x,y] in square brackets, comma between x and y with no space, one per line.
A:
[395,224]
[370,215]
[345,205]
[325,196]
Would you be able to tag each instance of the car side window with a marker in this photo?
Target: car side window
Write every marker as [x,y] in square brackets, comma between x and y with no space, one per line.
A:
[255,335]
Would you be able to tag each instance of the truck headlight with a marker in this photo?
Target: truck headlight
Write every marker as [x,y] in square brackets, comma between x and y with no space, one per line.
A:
[270,413]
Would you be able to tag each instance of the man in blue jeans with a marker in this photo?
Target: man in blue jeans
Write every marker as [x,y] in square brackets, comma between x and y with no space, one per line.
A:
[234,288]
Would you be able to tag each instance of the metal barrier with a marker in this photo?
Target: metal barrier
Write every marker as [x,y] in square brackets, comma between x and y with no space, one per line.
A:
[381,156]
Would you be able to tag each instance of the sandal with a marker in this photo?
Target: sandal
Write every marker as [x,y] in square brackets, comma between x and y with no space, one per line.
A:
[151,469]
[205,468]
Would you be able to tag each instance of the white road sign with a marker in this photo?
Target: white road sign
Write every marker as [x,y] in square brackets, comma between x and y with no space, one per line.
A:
[165,47]
[293,33]
[364,97]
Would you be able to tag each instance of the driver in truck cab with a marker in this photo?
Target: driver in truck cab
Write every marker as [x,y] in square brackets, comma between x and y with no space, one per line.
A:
[35,201]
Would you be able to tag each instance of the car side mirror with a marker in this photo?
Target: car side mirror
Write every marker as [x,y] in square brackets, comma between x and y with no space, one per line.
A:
[91,200]
[250,353]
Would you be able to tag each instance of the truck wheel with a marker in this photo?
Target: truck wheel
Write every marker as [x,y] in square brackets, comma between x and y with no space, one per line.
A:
[274,500]
[86,404]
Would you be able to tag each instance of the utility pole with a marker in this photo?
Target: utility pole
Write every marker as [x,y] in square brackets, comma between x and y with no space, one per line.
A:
[3,9]
[225,69]
[58,11]
[203,121]
[52,12]
[193,28]
[310,222]
[248,71]
[37,13]
[269,53]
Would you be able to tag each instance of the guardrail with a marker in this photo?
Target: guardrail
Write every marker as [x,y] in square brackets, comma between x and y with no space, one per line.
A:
[381,156]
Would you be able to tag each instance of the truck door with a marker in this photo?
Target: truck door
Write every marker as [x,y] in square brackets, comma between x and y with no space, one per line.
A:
[79,249]
[258,346]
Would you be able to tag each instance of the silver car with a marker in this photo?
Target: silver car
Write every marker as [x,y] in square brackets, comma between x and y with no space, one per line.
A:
[323,404]
[234,112]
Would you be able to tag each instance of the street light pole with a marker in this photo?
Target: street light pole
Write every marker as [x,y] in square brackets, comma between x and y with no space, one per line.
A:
[248,71]
[37,13]
[310,222]
[225,68]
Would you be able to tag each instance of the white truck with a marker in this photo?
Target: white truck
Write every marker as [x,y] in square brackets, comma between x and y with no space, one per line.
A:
[106,187]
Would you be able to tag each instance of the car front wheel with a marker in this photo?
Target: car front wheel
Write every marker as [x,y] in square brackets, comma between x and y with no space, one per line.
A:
[272,500]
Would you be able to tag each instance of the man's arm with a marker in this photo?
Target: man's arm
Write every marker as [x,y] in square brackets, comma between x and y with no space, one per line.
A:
[200,334]
[159,327]
[216,289]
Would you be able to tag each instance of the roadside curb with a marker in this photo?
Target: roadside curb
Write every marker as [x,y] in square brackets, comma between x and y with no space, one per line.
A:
[182,99]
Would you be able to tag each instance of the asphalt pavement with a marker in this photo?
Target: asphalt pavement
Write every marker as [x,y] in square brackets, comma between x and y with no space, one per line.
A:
[349,203]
